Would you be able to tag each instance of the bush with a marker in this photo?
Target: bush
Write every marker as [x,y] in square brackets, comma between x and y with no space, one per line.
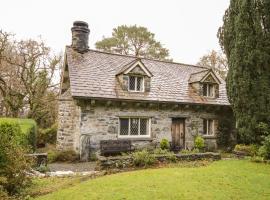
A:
[62,156]
[199,143]
[13,162]
[170,155]
[249,150]
[47,136]
[27,135]
[160,151]
[143,158]
[257,159]
[264,150]
[164,144]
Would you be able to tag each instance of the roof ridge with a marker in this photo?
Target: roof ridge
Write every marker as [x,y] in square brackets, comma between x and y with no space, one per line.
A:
[206,69]
[137,57]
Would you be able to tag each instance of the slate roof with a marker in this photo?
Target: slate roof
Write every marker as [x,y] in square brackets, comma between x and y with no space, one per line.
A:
[93,75]
[197,76]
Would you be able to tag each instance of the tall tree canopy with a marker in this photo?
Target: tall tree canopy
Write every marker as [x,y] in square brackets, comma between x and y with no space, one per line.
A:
[245,38]
[133,40]
[216,61]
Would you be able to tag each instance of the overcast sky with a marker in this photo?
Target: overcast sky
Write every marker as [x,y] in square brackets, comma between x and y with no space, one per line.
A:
[187,28]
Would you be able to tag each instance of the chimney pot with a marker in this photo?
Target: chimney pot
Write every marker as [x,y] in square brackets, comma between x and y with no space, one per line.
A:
[80,35]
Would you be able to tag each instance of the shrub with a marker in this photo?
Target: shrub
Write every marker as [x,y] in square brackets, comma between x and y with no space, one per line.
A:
[47,136]
[27,135]
[249,150]
[264,150]
[195,150]
[13,162]
[66,156]
[159,151]
[143,158]
[171,156]
[199,142]
[257,159]
[164,144]
[4,195]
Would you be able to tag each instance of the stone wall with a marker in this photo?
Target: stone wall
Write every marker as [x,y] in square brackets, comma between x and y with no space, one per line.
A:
[69,114]
[101,122]
[105,163]
[83,123]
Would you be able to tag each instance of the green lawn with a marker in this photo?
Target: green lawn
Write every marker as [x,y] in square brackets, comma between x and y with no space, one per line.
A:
[226,179]
[25,124]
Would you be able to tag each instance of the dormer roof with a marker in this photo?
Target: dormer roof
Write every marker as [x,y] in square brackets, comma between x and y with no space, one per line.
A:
[135,66]
[207,75]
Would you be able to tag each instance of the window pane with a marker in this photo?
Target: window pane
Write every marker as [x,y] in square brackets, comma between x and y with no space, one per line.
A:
[132,83]
[123,126]
[210,127]
[205,126]
[204,89]
[143,126]
[139,83]
[211,90]
[134,126]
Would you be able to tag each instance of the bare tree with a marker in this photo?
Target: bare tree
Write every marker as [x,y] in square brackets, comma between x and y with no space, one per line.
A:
[216,61]
[28,81]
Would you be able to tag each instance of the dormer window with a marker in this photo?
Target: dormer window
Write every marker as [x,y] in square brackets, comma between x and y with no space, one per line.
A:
[205,83]
[208,90]
[136,83]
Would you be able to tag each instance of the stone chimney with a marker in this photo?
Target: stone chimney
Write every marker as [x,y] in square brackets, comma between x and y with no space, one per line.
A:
[80,34]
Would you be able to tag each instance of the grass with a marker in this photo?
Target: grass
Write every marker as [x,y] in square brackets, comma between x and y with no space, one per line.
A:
[226,179]
[42,186]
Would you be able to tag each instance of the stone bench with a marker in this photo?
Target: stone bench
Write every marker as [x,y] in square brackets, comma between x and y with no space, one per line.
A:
[114,147]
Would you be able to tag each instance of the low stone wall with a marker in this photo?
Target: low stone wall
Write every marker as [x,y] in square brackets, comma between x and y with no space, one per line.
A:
[127,161]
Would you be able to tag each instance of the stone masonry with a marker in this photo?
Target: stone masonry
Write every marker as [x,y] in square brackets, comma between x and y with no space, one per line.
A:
[100,121]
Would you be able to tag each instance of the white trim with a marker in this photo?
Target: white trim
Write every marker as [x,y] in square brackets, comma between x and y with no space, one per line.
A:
[142,67]
[207,127]
[213,75]
[148,134]
[208,90]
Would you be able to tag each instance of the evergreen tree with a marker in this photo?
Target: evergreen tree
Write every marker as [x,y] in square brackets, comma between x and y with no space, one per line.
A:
[133,40]
[245,39]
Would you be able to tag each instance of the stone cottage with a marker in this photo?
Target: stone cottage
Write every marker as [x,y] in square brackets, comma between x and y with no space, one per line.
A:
[107,96]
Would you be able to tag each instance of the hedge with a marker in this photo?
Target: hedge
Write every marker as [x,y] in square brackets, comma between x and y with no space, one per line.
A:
[27,135]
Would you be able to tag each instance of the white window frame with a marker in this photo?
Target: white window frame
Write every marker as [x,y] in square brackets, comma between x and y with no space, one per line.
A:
[148,134]
[208,90]
[136,82]
[207,127]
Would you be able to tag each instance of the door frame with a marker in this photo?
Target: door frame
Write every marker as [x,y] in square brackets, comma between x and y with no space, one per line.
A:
[183,142]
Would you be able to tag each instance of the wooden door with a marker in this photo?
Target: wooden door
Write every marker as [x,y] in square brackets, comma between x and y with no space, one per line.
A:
[178,133]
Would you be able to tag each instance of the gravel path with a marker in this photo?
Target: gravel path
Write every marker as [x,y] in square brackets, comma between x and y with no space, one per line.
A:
[75,167]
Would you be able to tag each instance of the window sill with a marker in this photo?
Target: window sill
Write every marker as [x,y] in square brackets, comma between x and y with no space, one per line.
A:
[209,136]
[210,97]
[135,139]
[133,91]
